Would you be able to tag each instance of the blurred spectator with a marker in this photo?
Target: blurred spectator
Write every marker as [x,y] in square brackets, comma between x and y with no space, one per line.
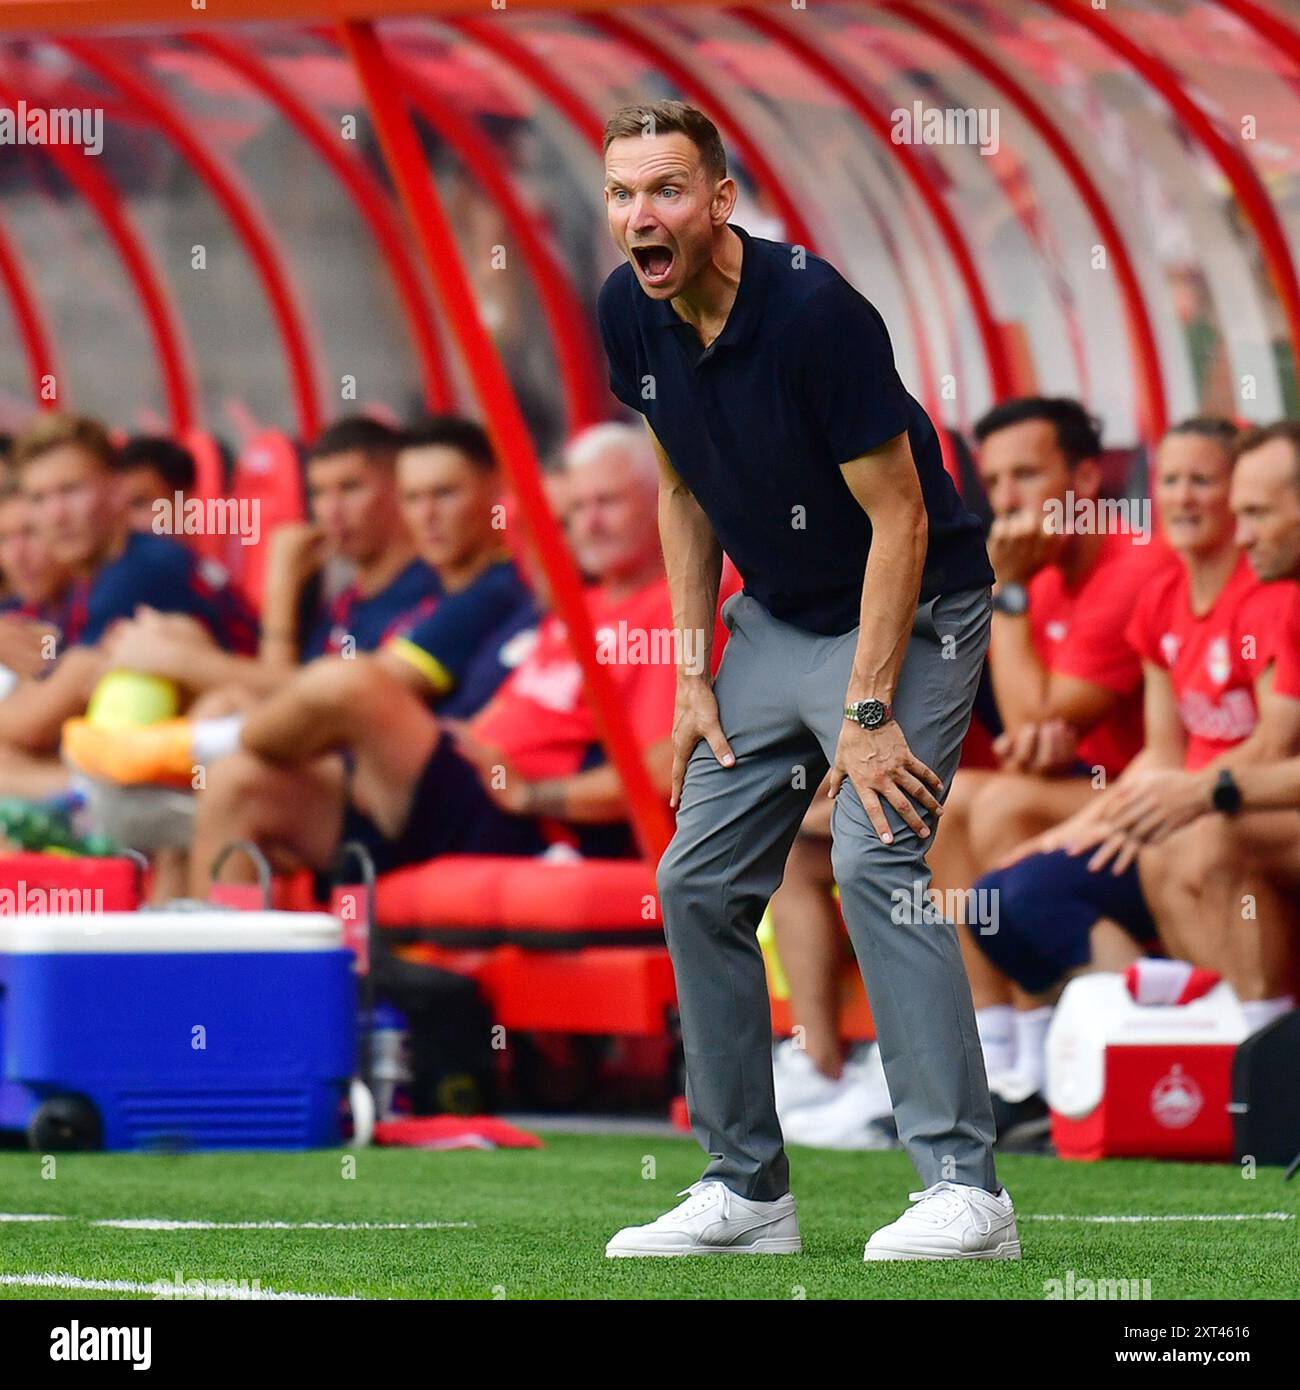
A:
[154,469]
[1208,633]
[357,538]
[70,474]
[427,781]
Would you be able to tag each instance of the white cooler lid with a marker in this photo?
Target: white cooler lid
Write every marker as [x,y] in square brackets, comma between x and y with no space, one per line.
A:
[167,933]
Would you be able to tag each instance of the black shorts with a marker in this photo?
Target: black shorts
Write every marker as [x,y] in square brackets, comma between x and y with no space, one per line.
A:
[1047,905]
[451,813]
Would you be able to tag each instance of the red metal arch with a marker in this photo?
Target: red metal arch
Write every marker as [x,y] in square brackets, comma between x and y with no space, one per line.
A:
[567,319]
[240,208]
[503,419]
[1234,166]
[916,320]
[1009,185]
[517,55]
[590,126]
[161,318]
[28,319]
[1269,26]
[368,195]
[1152,403]
[1000,371]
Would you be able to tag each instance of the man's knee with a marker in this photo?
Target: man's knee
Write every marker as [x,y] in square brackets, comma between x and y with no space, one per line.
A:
[966,786]
[333,682]
[859,855]
[678,878]
[1007,809]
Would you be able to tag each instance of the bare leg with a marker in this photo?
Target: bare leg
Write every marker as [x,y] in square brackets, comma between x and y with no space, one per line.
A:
[953,868]
[334,704]
[1012,808]
[1113,949]
[1243,873]
[294,814]
[170,876]
[30,775]
[807,928]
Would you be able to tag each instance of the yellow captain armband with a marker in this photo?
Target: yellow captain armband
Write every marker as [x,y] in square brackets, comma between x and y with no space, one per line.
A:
[440,679]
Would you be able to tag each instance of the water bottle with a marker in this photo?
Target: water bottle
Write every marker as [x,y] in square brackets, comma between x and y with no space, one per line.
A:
[390,1061]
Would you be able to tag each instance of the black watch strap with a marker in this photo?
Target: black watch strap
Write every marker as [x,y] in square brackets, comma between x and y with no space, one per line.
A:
[1226,796]
[1011,599]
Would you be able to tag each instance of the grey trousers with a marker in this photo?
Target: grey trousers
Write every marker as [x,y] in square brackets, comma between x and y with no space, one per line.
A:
[780,693]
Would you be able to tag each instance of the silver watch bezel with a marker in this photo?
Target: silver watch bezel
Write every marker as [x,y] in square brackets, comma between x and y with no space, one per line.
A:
[857,712]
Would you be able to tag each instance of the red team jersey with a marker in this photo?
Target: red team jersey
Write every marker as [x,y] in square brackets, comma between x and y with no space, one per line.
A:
[1213,660]
[1286,679]
[1079,631]
[539,719]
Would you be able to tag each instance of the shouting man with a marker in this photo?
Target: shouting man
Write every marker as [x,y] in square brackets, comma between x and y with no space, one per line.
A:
[787,440]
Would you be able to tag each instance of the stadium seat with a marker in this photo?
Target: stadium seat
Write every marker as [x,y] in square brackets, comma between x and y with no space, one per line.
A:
[556,946]
[269,474]
[209,481]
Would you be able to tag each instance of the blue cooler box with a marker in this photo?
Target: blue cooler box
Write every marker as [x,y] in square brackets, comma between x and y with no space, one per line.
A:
[208,1029]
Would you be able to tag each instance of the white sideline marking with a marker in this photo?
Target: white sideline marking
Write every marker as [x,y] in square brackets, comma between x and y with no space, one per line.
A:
[191,1286]
[158,1223]
[1209,1216]
[30,1216]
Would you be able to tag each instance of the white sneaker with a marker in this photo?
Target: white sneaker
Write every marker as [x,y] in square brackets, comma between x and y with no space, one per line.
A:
[797,1080]
[715,1221]
[950,1221]
[846,1120]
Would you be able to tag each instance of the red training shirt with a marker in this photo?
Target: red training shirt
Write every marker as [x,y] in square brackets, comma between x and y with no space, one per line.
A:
[1213,660]
[1079,631]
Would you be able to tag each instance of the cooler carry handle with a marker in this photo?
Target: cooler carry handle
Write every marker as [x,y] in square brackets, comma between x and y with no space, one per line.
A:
[244,897]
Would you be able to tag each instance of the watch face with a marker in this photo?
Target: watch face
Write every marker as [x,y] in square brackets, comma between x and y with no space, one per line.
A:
[873,714]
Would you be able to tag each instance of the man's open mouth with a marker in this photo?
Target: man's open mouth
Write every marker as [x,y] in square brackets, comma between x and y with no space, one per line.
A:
[656,262]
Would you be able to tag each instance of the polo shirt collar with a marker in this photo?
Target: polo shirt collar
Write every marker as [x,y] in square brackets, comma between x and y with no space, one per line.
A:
[745,309]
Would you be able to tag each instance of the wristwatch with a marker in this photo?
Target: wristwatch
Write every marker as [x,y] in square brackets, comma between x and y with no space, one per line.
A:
[1226,796]
[871,714]
[1011,599]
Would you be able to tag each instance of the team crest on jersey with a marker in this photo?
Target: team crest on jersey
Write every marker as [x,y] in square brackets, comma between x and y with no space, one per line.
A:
[1217,661]
[1169,645]
[213,574]
[518,648]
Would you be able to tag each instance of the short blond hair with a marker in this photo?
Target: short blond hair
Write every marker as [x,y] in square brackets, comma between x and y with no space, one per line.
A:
[56,430]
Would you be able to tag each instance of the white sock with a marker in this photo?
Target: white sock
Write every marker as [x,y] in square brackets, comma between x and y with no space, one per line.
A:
[1031,1044]
[996,1025]
[211,739]
[1261,1012]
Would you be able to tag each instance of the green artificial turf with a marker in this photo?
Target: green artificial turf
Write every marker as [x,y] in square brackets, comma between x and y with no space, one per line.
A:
[539,1220]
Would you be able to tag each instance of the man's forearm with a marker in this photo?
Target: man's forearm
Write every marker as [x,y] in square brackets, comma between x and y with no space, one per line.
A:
[32,717]
[1020,680]
[1270,786]
[693,563]
[890,588]
[586,798]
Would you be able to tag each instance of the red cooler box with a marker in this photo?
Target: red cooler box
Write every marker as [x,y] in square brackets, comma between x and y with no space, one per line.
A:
[1126,1080]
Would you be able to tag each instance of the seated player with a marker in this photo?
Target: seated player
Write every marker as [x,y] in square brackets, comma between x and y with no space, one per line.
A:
[1222,829]
[432,491]
[154,469]
[1208,633]
[31,618]
[424,783]
[69,472]
[34,584]
[358,528]
[1067,690]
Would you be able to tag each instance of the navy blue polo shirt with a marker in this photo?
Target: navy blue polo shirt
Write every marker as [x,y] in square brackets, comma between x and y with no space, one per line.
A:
[800,380]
